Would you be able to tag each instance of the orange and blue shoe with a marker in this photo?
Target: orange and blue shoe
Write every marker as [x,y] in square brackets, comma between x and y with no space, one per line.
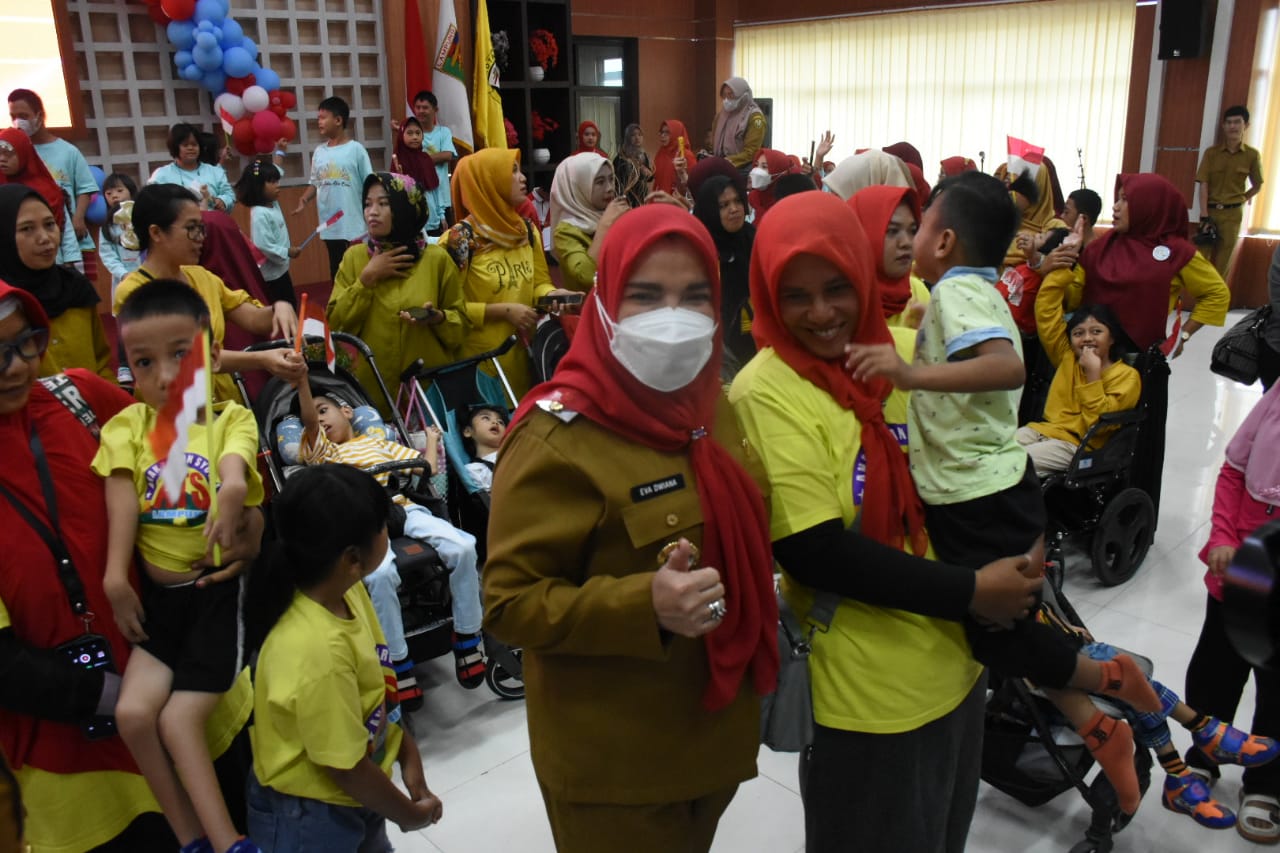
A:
[1189,795]
[1225,744]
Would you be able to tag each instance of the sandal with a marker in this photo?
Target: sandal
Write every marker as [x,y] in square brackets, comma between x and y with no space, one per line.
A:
[1259,818]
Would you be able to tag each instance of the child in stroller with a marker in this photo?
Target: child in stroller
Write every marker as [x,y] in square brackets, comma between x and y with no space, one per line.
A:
[481,438]
[328,437]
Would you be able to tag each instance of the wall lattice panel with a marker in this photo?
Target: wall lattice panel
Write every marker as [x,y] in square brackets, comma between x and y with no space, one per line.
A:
[132,93]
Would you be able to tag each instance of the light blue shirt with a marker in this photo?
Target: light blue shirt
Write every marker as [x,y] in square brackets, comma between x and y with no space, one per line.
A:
[203,175]
[118,260]
[338,173]
[69,168]
[439,139]
[271,235]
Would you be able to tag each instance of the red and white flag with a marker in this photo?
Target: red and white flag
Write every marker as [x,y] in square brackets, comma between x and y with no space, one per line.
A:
[316,324]
[188,392]
[1024,158]
[228,120]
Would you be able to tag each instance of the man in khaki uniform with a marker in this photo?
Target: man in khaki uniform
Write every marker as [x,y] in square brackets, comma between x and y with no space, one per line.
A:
[1222,174]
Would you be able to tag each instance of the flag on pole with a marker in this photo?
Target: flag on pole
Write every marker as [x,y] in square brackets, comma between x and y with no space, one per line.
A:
[316,324]
[487,105]
[417,74]
[448,79]
[188,393]
[1024,158]
[228,120]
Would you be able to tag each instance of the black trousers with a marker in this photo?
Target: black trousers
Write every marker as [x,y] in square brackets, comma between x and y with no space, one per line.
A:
[1216,677]
[281,290]
[336,249]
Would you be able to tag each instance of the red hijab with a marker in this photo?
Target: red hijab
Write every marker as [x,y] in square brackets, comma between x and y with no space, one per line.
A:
[664,170]
[34,173]
[821,224]
[1122,270]
[415,162]
[923,190]
[953,166]
[874,207]
[590,380]
[906,152]
[778,164]
[584,148]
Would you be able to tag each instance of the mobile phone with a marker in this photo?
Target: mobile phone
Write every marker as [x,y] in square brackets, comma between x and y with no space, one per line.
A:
[92,651]
[545,302]
[680,146]
[421,313]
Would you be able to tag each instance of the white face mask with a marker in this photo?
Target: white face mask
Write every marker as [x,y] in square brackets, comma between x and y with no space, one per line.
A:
[665,348]
[729,104]
[27,126]
[759,178]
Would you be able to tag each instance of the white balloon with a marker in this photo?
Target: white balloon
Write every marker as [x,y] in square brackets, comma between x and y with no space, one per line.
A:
[233,104]
[255,99]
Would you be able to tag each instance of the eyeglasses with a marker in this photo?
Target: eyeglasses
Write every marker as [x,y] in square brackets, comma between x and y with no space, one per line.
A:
[196,231]
[31,344]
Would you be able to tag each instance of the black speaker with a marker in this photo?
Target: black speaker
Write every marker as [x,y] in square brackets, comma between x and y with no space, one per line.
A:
[1184,28]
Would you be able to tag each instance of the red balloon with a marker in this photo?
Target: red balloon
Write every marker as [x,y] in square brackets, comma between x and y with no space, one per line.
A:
[243,136]
[157,14]
[279,110]
[178,10]
[263,145]
[266,125]
[237,85]
[288,130]
[288,99]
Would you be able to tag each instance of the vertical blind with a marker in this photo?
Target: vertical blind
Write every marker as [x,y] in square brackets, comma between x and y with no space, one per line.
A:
[1264,215]
[954,82]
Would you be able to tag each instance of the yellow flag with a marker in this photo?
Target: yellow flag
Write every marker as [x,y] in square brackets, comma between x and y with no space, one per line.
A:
[486,102]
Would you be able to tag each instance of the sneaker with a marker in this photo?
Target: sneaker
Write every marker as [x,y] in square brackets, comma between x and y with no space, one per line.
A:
[1225,744]
[1201,765]
[468,660]
[200,845]
[408,693]
[1189,795]
[244,845]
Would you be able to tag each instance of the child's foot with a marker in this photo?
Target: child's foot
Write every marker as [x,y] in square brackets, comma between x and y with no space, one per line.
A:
[468,660]
[1189,795]
[408,693]
[1201,765]
[1111,742]
[1225,744]
[200,845]
[1123,679]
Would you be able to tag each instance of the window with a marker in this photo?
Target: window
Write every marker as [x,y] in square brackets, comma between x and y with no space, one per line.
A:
[31,58]
[605,90]
[954,82]
[1264,215]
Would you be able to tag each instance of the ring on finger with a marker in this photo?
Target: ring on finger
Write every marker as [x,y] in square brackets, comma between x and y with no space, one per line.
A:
[717,609]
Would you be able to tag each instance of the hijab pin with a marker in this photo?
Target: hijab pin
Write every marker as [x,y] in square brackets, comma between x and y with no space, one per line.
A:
[1161,253]
[697,433]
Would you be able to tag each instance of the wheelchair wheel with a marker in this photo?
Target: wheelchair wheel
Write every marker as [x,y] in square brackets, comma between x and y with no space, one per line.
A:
[501,681]
[1123,536]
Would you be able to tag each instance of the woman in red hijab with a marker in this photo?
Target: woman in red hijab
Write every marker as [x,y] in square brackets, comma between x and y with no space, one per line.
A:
[589,139]
[953,166]
[20,164]
[890,216]
[644,602]
[670,176]
[894,687]
[769,166]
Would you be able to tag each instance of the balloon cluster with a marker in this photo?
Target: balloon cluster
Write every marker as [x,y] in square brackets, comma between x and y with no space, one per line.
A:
[96,214]
[213,50]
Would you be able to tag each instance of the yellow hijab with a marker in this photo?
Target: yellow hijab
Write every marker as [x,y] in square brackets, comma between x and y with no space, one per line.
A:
[482,195]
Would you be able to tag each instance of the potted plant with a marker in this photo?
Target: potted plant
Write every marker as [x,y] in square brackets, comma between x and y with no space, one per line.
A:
[545,53]
[541,127]
[501,49]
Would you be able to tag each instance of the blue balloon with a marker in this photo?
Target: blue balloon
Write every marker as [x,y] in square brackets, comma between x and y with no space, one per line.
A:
[267,79]
[249,45]
[210,10]
[206,40]
[208,60]
[192,72]
[215,82]
[236,62]
[232,33]
[183,58]
[182,34]
[98,175]
[97,212]
[204,26]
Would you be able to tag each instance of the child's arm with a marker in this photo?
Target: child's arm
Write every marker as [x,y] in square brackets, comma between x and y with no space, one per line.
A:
[432,451]
[307,412]
[368,785]
[994,367]
[232,492]
[122,531]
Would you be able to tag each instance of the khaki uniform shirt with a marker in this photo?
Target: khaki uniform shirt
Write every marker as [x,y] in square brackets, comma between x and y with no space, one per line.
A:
[1224,173]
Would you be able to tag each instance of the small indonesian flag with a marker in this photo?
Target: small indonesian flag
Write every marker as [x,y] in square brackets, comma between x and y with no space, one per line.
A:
[316,324]
[188,392]
[1024,158]
[228,121]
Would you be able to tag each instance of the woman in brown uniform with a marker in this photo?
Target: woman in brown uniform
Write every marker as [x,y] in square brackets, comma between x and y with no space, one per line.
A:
[629,556]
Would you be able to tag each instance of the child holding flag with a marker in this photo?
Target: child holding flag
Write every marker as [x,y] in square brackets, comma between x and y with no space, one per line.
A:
[163,460]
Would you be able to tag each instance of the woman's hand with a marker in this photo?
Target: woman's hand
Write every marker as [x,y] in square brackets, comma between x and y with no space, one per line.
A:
[434,316]
[126,607]
[825,145]
[1001,593]
[523,317]
[243,550]
[1064,257]
[285,363]
[393,263]
[612,211]
[682,597]
[284,321]
[1220,560]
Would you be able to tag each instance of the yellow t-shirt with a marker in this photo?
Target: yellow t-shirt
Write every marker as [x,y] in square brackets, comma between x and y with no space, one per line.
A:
[221,301]
[919,294]
[363,452]
[320,699]
[104,802]
[171,537]
[876,670]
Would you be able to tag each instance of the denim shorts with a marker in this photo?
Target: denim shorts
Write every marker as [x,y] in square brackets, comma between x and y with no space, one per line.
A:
[282,823]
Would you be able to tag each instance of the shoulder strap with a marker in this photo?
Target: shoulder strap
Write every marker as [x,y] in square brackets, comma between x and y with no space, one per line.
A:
[66,392]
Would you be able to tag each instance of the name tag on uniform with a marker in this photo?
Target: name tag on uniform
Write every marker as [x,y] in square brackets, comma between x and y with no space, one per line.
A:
[645,491]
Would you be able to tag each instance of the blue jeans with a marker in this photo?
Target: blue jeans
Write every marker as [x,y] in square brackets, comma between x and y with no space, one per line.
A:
[457,549]
[281,823]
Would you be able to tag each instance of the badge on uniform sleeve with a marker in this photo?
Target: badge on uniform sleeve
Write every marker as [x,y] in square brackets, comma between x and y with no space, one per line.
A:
[1161,253]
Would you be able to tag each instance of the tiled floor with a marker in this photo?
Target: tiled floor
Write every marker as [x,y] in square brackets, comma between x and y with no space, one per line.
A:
[476,752]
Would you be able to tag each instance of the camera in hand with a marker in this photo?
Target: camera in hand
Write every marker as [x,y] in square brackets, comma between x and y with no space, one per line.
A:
[91,651]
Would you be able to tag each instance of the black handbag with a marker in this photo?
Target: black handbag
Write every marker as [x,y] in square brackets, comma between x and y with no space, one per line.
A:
[1235,355]
[786,714]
